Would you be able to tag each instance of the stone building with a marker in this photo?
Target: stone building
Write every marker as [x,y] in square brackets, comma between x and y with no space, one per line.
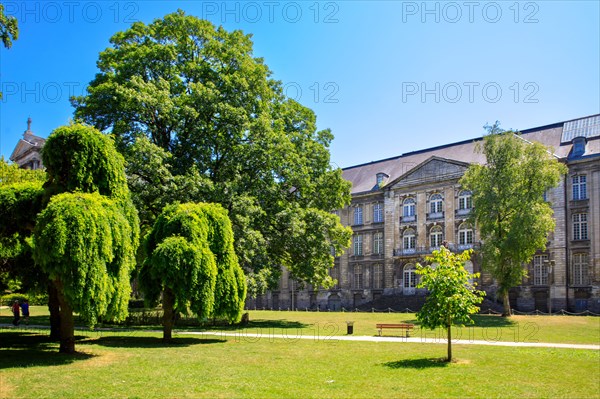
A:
[27,153]
[404,207]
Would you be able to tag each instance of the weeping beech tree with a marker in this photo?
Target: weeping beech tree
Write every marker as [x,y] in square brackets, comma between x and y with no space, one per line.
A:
[192,262]
[84,243]
[86,238]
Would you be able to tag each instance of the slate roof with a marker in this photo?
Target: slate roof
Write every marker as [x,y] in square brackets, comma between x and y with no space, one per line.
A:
[363,177]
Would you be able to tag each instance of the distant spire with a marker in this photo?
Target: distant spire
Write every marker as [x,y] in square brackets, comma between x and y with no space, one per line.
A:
[28,132]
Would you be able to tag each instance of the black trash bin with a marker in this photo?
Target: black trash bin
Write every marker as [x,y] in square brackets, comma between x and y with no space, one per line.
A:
[349,327]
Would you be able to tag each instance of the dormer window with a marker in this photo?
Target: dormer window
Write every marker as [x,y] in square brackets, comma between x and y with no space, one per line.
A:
[578,146]
[381,178]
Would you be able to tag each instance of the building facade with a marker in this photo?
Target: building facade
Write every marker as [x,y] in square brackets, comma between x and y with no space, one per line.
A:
[405,207]
[27,152]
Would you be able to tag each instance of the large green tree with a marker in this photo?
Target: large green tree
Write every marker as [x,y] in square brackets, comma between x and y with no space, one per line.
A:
[452,297]
[218,124]
[86,238]
[21,199]
[191,261]
[509,207]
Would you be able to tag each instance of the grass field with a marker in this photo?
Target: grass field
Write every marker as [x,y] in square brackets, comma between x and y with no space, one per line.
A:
[557,329]
[136,363]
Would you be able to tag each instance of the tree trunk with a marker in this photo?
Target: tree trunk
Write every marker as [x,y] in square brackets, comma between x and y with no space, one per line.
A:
[54,308]
[449,328]
[67,324]
[506,301]
[168,314]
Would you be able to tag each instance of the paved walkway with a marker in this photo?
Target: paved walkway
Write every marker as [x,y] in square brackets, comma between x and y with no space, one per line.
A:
[253,337]
[292,337]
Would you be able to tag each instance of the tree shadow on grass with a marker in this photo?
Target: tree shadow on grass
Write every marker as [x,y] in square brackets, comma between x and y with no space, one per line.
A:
[149,342]
[417,363]
[492,321]
[261,323]
[27,349]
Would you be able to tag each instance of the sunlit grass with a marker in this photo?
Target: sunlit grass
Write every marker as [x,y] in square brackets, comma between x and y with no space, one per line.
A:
[138,364]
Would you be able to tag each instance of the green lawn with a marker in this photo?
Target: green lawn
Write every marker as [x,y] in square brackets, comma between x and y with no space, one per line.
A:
[136,363]
[132,365]
[557,329]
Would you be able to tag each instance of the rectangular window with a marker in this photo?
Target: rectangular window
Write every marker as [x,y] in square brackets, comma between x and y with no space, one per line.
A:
[580,231]
[334,272]
[358,277]
[408,210]
[465,237]
[378,213]
[378,243]
[579,187]
[540,270]
[580,269]
[410,242]
[377,276]
[436,239]
[465,201]
[358,215]
[358,245]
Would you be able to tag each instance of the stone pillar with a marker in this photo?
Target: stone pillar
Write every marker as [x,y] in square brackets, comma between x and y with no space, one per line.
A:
[421,213]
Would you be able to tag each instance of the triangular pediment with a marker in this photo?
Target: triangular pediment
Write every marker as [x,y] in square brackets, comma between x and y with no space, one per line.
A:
[24,147]
[433,169]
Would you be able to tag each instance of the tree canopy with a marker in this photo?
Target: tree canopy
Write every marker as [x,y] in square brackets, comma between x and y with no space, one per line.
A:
[85,244]
[9,28]
[21,199]
[218,124]
[86,237]
[191,261]
[508,204]
[452,297]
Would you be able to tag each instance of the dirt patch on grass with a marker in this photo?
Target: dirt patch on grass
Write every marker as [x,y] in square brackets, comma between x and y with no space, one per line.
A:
[461,361]
[102,359]
[6,390]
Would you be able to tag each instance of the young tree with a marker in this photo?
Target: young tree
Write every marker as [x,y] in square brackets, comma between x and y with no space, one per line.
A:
[191,260]
[86,242]
[216,122]
[508,204]
[452,297]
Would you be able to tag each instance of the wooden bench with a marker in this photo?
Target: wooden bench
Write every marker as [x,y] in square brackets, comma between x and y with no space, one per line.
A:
[403,326]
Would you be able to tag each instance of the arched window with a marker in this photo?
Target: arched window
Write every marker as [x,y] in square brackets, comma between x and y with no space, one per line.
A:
[465,200]
[408,209]
[436,204]
[409,280]
[409,240]
[436,237]
[465,235]
[381,178]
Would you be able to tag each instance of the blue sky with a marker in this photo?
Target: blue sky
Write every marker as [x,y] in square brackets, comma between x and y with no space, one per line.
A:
[387,77]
